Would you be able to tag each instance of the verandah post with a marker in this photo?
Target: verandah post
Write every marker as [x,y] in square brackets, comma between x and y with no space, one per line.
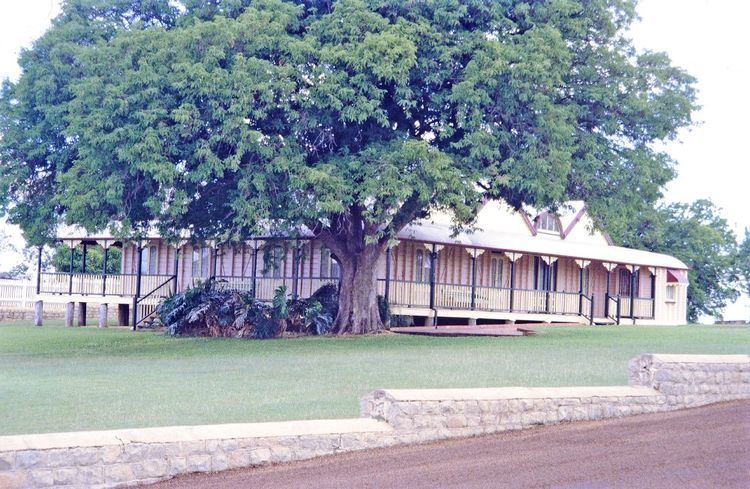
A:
[255,266]
[70,276]
[388,258]
[83,258]
[653,293]
[433,256]
[632,294]
[606,294]
[104,268]
[39,271]
[295,269]
[512,282]
[474,280]
[139,271]
[215,258]
[619,309]
[591,312]
[580,291]
[433,263]
[547,286]
[176,265]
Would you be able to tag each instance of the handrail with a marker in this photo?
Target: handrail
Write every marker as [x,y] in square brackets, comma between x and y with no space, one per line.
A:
[156,288]
[150,308]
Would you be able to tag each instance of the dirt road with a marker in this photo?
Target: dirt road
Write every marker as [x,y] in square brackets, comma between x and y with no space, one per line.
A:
[706,447]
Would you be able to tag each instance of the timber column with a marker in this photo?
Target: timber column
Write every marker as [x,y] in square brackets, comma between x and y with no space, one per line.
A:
[139,272]
[38,313]
[103,313]
[69,309]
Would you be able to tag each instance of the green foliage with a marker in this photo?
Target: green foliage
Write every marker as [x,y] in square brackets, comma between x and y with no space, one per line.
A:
[328,297]
[316,320]
[227,114]
[94,260]
[698,235]
[211,309]
[279,303]
[743,261]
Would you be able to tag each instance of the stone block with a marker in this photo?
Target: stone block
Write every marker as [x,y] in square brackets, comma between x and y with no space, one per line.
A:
[177,465]
[237,459]
[118,474]
[112,454]
[65,476]
[150,469]
[89,476]
[31,459]
[199,463]
[219,461]
[7,460]
[259,456]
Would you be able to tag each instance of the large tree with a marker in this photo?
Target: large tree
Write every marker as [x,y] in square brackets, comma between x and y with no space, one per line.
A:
[351,118]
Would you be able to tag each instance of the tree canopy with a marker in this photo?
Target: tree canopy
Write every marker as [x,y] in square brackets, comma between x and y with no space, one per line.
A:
[350,117]
[698,235]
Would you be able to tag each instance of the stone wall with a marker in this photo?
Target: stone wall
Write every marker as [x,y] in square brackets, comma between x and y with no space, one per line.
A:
[693,380]
[389,417]
[465,412]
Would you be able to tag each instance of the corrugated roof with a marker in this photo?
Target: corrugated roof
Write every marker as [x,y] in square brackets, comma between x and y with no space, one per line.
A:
[497,240]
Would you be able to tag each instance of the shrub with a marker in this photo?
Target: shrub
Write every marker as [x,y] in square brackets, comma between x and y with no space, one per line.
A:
[209,309]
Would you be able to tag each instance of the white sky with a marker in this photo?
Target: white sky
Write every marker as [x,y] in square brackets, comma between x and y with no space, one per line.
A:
[707,38]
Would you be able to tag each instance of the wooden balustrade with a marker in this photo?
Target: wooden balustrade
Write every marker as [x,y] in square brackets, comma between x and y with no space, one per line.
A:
[564,302]
[401,293]
[266,286]
[97,284]
[409,294]
[643,308]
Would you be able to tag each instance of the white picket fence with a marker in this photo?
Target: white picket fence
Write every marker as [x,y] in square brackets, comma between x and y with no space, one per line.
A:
[18,296]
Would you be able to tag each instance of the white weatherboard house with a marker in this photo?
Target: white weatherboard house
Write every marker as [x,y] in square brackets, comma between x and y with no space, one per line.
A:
[515,266]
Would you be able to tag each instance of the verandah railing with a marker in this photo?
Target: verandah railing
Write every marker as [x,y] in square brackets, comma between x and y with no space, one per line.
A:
[497,299]
[264,288]
[97,284]
[618,307]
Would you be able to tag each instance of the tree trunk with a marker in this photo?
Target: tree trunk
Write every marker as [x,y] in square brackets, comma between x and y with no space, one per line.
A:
[358,299]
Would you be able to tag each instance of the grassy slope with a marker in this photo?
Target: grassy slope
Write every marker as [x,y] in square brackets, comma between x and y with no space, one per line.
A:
[57,379]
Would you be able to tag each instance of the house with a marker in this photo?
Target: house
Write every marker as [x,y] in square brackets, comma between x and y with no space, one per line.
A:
[512,266]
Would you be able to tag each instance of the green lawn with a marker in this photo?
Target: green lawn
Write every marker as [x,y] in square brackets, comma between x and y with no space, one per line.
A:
[57,379]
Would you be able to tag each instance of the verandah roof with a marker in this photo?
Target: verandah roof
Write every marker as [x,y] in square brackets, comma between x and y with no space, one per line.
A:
[534,245]
[496,240]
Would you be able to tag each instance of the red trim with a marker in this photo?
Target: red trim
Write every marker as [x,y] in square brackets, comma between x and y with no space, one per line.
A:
[677,276]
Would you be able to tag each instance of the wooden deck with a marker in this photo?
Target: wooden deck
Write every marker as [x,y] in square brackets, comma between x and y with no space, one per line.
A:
[482,330]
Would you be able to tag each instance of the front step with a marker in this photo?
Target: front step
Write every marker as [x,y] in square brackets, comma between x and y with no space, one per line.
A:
[464,330]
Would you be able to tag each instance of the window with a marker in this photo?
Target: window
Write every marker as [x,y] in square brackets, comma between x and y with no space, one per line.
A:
[329,266]
[149,260]
[201,262]
[422,266]
[547,222]
[586,278]
[273,261]
[625,281]
[496,271]
[671,295]
[545,276]
[144,260]
[152,260]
